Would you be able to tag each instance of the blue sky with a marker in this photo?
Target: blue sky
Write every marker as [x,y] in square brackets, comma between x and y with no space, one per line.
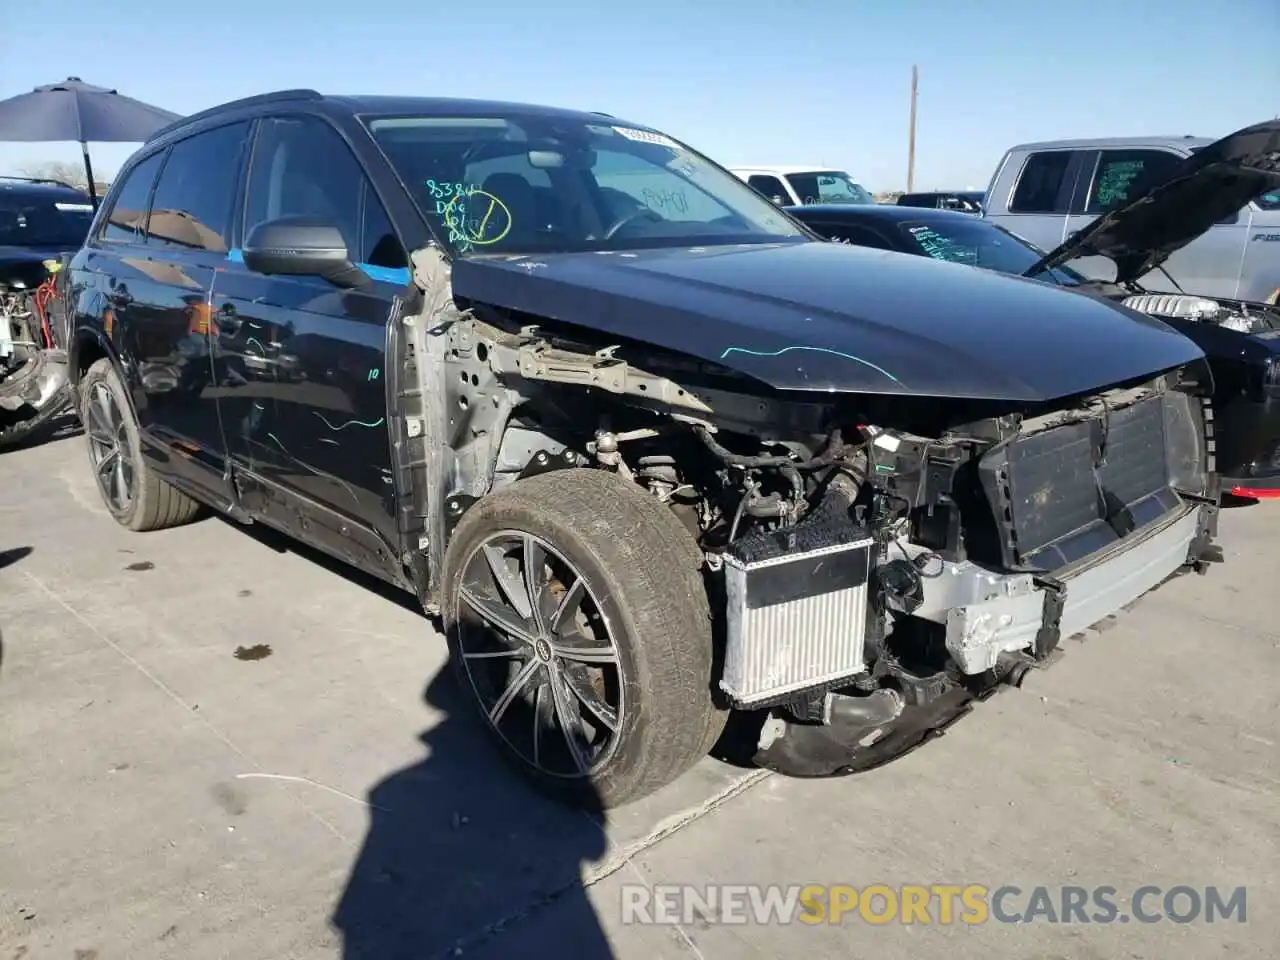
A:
[752,81]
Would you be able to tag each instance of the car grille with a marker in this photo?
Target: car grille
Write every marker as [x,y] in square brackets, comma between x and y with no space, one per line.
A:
[1065,492]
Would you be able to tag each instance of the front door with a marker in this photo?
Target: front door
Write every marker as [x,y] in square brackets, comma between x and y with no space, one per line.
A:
[1209,265]
[300,362]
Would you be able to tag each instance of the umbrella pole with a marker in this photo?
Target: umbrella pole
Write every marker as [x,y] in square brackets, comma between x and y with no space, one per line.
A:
[88,172]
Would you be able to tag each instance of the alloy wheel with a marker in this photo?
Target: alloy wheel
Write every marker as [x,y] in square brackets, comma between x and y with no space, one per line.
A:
[109,448]
[540,655]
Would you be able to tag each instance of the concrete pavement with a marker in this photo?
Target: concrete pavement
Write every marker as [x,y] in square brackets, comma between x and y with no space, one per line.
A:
[162,795]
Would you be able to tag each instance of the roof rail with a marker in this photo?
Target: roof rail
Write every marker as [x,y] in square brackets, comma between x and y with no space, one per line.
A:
[49,180]
[276,95]
[601,113]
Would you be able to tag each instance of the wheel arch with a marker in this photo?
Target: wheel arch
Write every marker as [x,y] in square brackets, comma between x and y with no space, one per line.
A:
[88,346]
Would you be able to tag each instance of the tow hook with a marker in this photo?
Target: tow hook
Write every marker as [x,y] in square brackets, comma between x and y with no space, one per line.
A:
[1013,669]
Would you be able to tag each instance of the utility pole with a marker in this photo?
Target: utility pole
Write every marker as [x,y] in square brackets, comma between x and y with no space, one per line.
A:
[911,138]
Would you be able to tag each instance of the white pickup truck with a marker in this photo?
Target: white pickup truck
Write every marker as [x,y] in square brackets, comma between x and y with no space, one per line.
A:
[791,185]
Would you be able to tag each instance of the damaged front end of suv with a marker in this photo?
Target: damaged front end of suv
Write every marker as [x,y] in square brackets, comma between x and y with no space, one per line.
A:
[875,559]
[662,455]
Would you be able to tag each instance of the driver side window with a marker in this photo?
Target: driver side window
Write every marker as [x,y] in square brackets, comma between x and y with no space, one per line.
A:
[301,166]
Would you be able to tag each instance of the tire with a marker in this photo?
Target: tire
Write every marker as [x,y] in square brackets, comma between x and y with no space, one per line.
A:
[153,503]
[640,571]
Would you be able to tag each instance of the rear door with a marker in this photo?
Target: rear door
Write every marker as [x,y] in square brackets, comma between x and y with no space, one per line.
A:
[1039,200]
[167,315]
[101,280]
[301,361]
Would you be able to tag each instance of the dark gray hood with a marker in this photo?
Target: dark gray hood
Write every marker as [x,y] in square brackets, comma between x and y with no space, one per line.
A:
[1207,187]
[827,317]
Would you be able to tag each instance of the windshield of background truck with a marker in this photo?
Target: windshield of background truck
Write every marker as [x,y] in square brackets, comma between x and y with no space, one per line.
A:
[527,183]
[980,244]
[828,186]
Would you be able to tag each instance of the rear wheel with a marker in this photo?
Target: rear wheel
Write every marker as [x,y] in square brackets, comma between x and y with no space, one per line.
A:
[130,489]
[578,622]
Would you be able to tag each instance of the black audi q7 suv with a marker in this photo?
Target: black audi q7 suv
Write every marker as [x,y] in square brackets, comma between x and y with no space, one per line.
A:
[652,450]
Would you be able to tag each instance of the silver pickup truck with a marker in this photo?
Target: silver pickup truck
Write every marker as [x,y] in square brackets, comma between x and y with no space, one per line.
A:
[1047,191]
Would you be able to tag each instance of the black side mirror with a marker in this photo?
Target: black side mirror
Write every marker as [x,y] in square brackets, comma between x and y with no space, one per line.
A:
[301,246]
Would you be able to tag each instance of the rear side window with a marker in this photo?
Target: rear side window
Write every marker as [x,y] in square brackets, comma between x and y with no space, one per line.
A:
[193,201]
[771,187]
[1124,174]
[1039,187]
[126,220]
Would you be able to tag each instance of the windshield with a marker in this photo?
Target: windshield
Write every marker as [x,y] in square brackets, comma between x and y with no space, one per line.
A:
[548,184]
[31,221]
[828,186]
[980,244]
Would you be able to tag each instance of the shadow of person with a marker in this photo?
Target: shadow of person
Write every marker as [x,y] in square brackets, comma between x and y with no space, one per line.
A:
[13,555]
[8,558]
[464,857]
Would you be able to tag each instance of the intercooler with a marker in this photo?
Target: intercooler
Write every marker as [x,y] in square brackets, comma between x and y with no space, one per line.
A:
[796,603]
[1066,491]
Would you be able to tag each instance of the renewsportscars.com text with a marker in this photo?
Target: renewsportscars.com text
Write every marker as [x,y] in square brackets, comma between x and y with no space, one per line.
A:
[941,904]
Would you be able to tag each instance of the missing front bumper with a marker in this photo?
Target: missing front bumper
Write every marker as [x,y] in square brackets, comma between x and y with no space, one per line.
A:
[996,626]
[1025,612]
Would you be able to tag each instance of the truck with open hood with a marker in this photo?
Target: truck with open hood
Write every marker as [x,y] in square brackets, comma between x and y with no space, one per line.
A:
[1240,338]
[1214,228]
[652,451]
[1195,241]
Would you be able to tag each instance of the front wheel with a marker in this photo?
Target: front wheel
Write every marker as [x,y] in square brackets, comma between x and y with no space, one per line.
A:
[578,622]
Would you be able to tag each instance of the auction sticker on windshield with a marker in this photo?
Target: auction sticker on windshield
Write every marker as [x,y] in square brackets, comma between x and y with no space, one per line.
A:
[645,136]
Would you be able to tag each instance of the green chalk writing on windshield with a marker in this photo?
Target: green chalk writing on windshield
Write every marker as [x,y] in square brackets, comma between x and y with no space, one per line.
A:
[447,190]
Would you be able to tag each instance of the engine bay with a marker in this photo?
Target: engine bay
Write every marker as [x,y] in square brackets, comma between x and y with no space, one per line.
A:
[1238,315]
